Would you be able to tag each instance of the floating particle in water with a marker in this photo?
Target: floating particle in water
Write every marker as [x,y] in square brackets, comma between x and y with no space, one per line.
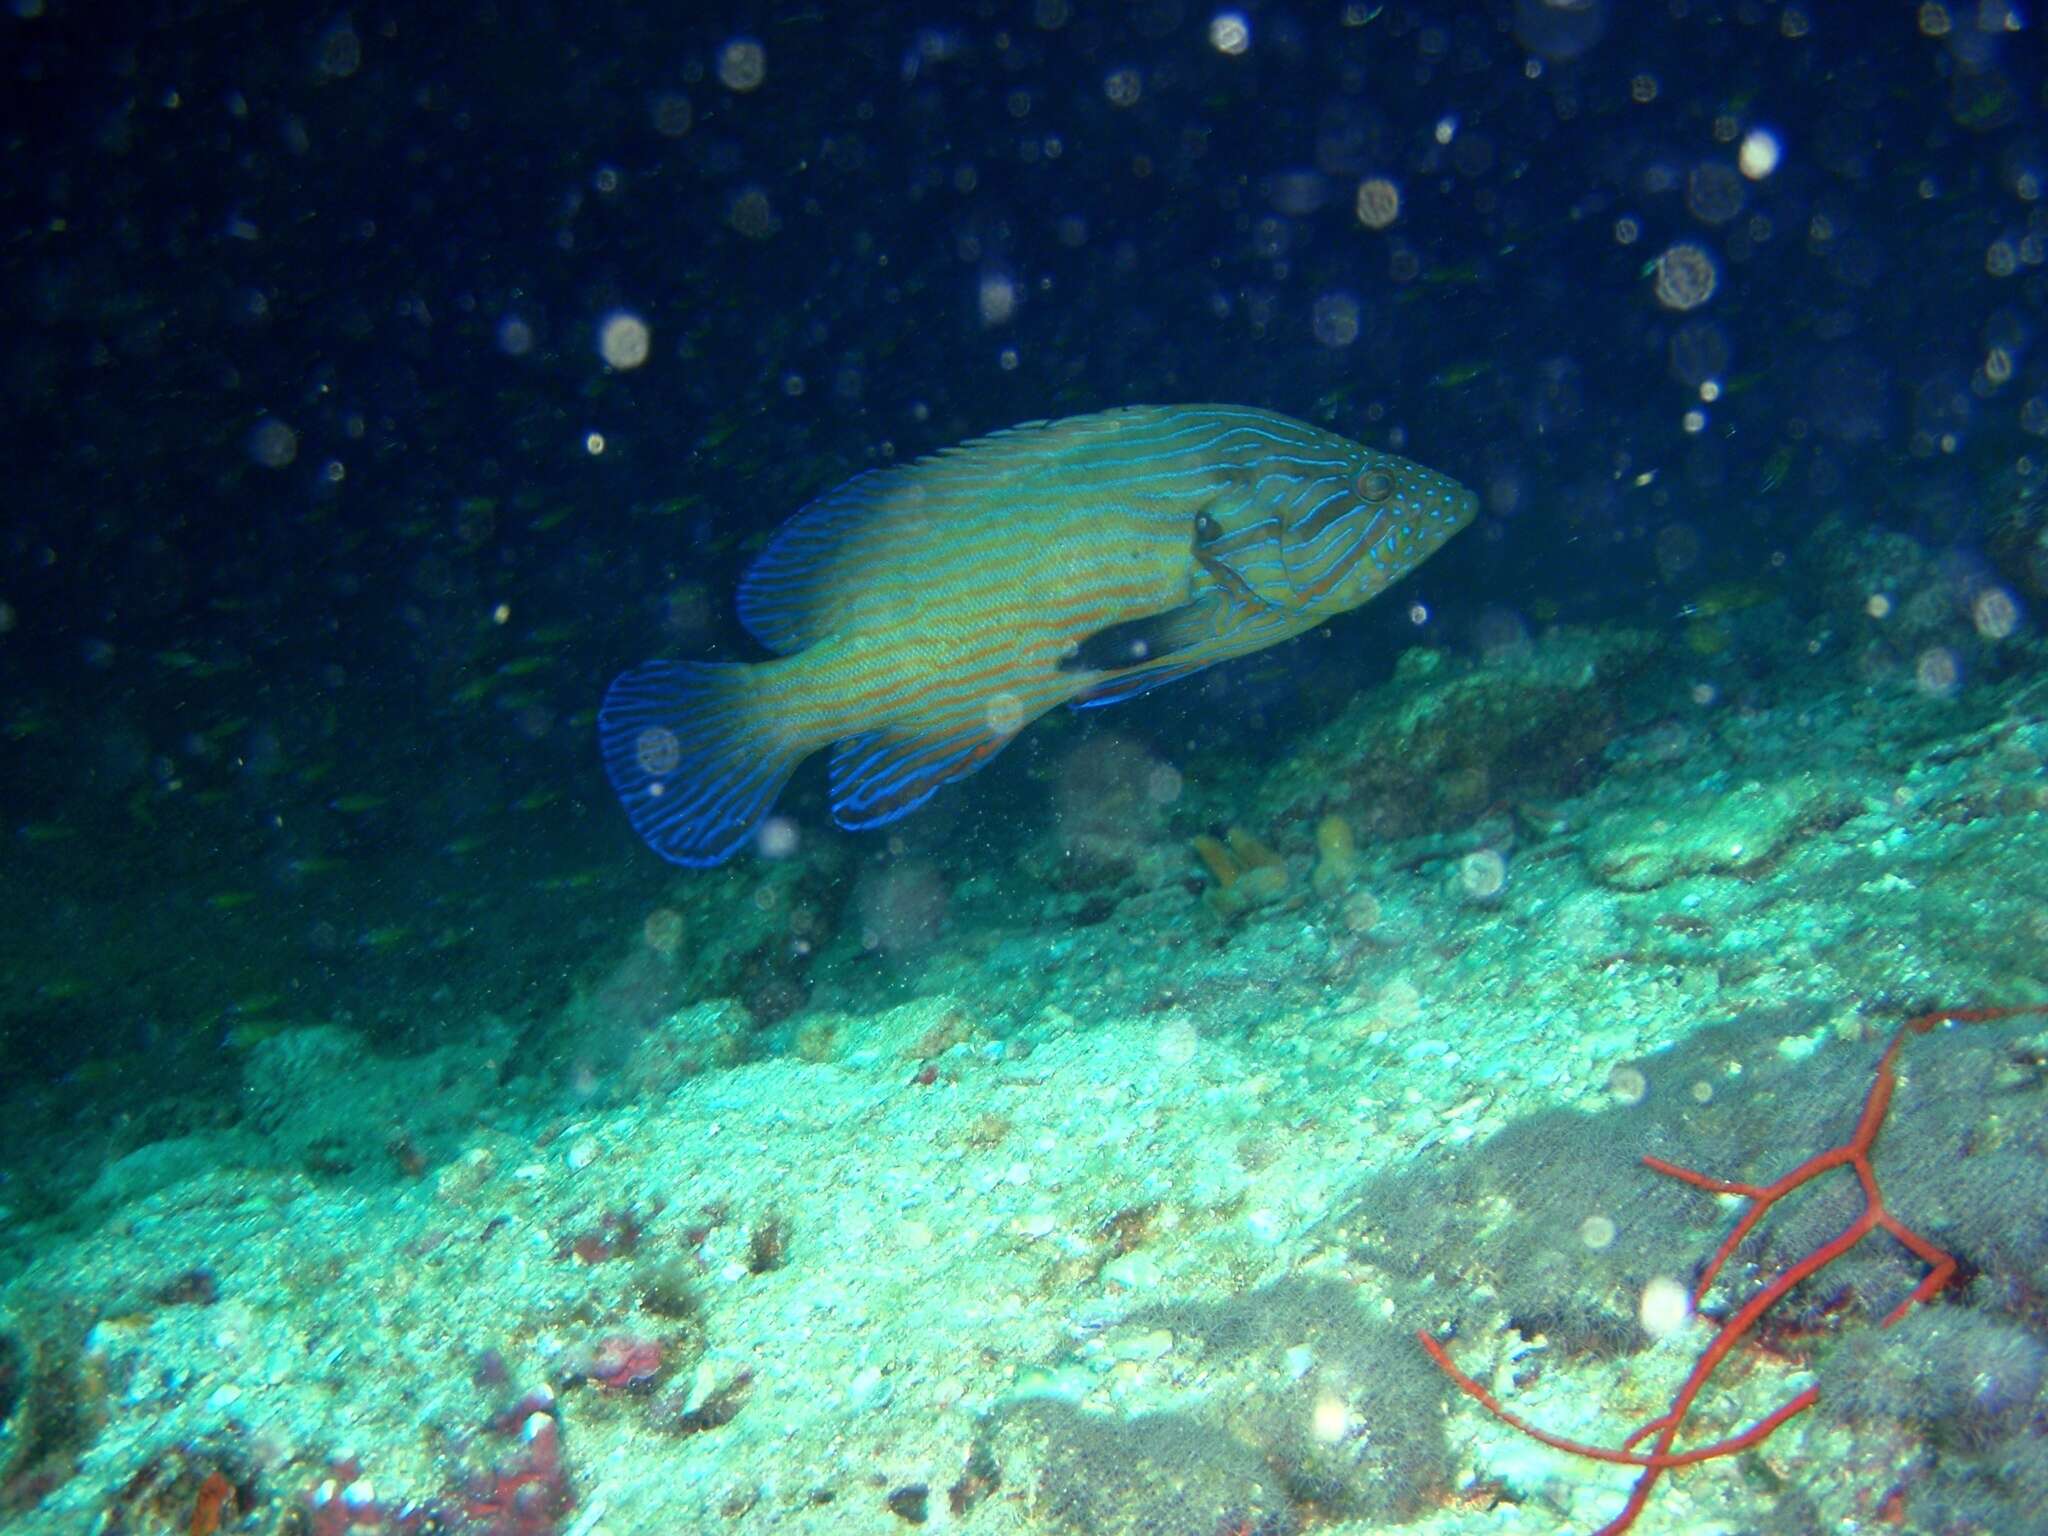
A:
[273,444]
[1482,873]
[663,930]
[1299,193]
[1335,319]
[777,838]
[1597,1232]
[901,907]
[671,114]
[742,64]
[1677,549]
[1330,1419]
[1178,1041]
[1713,192]
[1229,32]
[1664,1308]
[1123,87]
[658,751]
[997,298]
[515,336]
[1628,1084]
[1360,912]
[1686,276]
[686,611]
[340,51]
[623,339]
[1759,154]
[1995,613]
[1004,713]
[752,214]
[1937,671]
[1379,202]
[1699,352]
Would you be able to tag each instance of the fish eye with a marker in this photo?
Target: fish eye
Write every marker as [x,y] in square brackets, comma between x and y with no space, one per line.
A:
[1375,485]
[1207,529]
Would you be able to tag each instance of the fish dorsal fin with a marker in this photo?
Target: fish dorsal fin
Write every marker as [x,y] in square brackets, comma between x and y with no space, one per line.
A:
[797,590]
[785,596]
[881,775]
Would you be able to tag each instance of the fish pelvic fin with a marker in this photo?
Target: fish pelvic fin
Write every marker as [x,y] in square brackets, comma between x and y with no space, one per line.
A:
[694,754]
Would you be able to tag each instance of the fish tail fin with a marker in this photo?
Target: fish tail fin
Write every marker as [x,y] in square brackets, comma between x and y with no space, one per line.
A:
[693,750]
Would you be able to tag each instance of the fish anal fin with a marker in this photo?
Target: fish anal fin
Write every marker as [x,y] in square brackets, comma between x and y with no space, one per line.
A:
[881,775]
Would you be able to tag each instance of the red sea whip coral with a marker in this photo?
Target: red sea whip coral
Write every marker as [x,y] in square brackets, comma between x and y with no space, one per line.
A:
[1662,1432]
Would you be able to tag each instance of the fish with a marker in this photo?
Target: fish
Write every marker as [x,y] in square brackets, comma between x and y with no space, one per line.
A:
[923,614]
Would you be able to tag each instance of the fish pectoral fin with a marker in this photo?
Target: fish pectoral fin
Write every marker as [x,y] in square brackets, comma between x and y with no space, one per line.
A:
[1115,687]
[1139,655]
[1132,642]
[881,775]
[1142,654]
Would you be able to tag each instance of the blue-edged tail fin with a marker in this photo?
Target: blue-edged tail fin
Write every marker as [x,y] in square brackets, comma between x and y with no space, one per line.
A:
[693,755]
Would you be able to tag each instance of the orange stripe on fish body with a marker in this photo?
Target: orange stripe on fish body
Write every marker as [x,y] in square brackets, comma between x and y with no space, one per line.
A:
[925,614]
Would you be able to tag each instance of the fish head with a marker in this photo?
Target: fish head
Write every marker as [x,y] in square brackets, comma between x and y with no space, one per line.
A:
[1349,531]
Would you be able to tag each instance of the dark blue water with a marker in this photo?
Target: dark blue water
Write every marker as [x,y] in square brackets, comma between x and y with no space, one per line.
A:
[379,382]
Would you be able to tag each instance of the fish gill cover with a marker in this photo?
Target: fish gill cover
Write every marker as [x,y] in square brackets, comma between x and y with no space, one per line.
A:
[396,1144]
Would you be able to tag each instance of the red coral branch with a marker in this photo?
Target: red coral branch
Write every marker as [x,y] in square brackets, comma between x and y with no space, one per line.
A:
[1854,1153]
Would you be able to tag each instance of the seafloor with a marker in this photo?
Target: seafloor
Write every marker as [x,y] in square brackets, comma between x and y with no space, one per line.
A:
[1105,1190]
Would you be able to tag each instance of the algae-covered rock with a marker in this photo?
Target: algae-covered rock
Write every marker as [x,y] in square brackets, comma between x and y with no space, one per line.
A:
[703,1037]
[1339,1402]
[1093,1474]
[914,1031]
[1742,831]
[331,1105]
[1449,736]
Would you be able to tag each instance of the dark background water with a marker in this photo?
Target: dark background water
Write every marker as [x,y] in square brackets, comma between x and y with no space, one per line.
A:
[328,519]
